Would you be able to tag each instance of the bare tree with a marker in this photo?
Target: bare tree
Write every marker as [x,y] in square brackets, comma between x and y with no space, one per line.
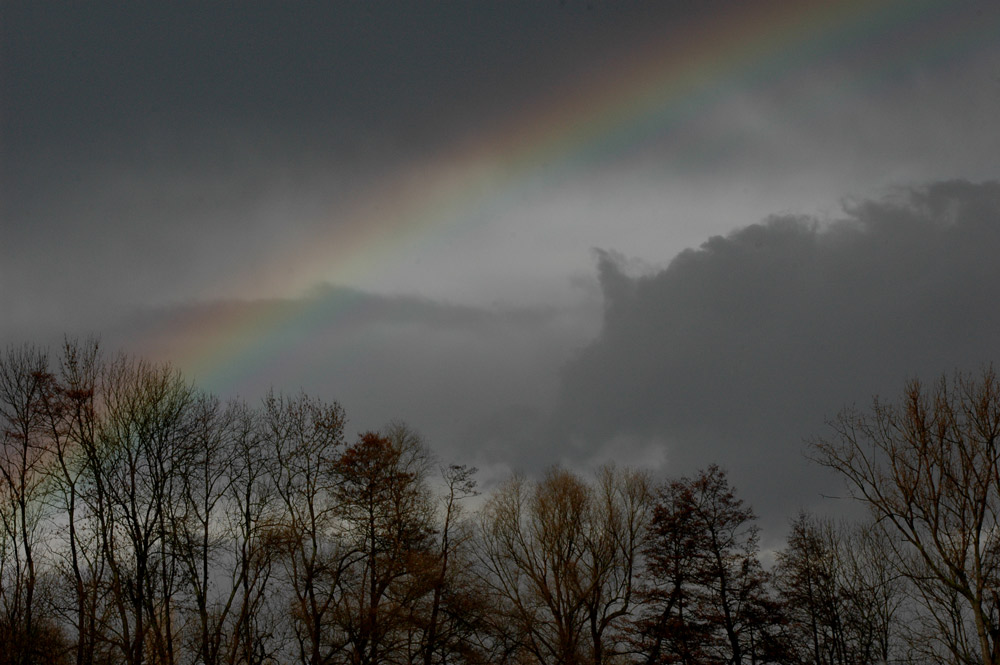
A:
[217,530]
[875,593]
[306,438]
[26,385]
[615,536]
[446,625]
[136,462]
[928,466]
[72,413]
[250,503]
[841,591]
[560,556]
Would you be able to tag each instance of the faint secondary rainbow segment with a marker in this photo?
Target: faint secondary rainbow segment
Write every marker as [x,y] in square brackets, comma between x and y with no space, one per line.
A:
[650,91]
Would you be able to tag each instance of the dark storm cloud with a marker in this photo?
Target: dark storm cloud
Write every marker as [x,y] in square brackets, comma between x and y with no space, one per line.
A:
[741,349]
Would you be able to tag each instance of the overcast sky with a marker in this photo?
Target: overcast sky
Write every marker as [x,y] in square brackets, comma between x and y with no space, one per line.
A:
[661,233]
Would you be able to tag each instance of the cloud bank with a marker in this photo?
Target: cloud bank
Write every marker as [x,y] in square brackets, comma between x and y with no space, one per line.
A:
[740,350]
[736,352]
[455,373]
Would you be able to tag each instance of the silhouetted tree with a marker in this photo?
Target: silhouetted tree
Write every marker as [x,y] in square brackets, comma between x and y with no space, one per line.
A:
[928,466]
[306,439]
[560,558]
[842,594]
[26,387]
[706,598]
[72,413]
[453,610]
[807,578]
[250,503]
[387,520]
[137,464]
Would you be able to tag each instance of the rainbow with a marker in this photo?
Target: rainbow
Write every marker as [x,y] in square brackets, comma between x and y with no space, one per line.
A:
[651,90]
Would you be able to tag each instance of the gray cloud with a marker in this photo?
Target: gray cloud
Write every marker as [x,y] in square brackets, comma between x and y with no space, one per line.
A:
[741,349]
[735,353]
[452,372]
[150,154]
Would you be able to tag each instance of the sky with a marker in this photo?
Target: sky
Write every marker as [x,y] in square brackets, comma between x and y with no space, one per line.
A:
[663,234]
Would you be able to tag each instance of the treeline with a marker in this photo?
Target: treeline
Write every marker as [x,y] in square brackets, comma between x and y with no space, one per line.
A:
[142,521]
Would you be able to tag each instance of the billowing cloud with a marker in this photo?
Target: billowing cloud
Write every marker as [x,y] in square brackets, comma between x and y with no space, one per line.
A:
[740,350]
